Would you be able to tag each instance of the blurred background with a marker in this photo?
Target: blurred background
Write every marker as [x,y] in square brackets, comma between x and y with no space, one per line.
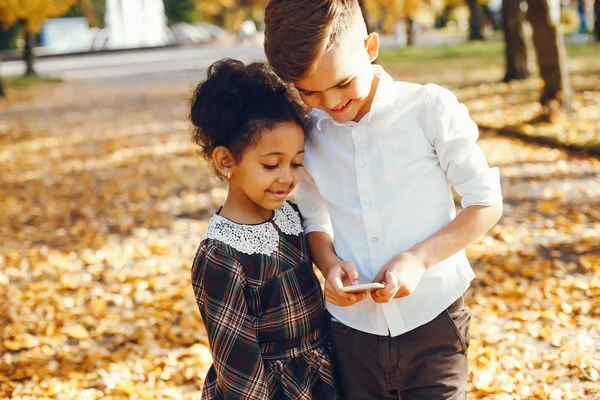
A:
[103,200]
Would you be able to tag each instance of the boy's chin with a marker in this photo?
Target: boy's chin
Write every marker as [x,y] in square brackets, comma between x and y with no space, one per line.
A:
[346,117]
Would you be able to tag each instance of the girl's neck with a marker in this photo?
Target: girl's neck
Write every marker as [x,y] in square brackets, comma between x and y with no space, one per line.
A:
[242,210]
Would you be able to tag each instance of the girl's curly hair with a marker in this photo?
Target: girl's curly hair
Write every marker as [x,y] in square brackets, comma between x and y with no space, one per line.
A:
[236,103]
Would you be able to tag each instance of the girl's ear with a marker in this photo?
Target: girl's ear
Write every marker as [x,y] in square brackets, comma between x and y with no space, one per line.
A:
[372,46]
[223,161]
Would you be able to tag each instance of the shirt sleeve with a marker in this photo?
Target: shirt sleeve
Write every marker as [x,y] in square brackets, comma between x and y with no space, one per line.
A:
[218,284]
[312,206]
[454,136]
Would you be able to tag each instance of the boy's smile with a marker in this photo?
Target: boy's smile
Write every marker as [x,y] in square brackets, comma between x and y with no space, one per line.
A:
[342,108]
[343,82]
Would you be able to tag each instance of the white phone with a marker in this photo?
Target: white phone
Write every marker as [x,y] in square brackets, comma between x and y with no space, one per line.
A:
[362,288]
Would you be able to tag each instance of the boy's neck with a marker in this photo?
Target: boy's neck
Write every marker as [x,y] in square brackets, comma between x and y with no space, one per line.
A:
[374,84]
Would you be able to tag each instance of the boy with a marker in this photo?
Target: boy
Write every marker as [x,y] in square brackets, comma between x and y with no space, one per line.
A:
[378,206]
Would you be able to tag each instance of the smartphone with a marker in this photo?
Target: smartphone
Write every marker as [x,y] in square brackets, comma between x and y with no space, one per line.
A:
[362,288]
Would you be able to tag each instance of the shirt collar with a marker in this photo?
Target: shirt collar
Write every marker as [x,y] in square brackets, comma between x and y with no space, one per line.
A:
[383,96]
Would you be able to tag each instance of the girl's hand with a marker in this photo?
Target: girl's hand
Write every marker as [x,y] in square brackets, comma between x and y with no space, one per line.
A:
[401,276]
[338,276]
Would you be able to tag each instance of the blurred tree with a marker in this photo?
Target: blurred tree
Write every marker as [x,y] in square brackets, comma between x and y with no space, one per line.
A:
[597,19]
[410,10]
[383,15]
[365,13]
[487,11]
[92,10]
[475,20]
[2,93]
[231,13]
[8,37]
[180,11]
[30,15]
[551,58]
[515,49]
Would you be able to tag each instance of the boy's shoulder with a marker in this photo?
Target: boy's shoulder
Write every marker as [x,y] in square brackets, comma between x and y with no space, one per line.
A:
[398,92]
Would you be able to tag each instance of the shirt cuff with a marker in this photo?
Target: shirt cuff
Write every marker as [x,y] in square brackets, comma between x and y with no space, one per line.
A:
[482,190]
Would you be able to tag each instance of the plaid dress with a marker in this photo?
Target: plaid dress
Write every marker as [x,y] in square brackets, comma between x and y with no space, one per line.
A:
[263,310]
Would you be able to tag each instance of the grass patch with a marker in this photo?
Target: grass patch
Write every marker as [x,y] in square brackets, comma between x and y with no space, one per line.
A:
[26,81]
[471,52]
[482,53]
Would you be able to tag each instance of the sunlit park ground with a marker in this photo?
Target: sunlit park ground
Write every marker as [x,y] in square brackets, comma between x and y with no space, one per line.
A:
[103,202]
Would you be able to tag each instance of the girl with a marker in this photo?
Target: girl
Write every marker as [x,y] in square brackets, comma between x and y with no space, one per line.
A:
[252,275]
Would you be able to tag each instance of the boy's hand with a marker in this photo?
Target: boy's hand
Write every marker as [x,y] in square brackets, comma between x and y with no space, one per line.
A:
[401,276]
[338,276]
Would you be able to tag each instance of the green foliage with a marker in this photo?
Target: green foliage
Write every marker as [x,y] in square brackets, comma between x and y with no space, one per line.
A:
[93,10]
[8,37]
[21,82]
[180,11]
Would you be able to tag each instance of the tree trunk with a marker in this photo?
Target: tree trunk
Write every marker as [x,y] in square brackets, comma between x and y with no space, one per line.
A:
[2,92]
[410,31]
[475,20]
[597,19]
[515,48]
[551,58]
[28,53]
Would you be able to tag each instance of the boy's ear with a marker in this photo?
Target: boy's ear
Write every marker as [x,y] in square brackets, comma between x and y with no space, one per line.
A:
[223,160]
[372,45]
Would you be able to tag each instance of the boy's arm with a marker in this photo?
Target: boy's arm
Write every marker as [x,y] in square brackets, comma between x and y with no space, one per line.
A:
[317,225]
[453,134]
[403,273]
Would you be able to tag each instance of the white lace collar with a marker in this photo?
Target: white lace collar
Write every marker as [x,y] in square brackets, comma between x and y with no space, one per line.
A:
[255,239]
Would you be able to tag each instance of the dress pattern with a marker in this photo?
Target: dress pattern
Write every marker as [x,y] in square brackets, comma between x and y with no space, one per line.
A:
[263,310]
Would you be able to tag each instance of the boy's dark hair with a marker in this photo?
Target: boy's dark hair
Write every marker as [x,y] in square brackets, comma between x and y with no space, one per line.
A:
[299,32]
[236,103]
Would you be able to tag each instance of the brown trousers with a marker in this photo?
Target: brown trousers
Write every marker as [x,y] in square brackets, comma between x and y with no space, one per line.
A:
[427,363]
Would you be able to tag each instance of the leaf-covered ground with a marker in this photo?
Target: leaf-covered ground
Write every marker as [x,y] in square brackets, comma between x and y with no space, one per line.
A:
[103,202]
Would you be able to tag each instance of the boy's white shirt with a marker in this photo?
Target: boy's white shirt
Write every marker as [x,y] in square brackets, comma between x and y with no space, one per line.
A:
[382,185]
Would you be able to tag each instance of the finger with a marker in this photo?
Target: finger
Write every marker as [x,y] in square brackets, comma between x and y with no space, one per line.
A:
[380,299]
[379,278]
[350,270]
[387,293]
[336,296]
[343,299]
[392,277]
[361,297]
[401,293]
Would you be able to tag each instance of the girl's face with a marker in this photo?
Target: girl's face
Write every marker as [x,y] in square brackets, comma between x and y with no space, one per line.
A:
[269,171]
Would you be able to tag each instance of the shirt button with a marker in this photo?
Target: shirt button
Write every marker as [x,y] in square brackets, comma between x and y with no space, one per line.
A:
[367,202]
[374,240]
[361,164]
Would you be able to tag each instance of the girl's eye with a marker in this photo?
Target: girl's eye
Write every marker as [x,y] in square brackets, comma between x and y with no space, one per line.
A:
[297,165]
[345,85]
[270,166]
[307,93]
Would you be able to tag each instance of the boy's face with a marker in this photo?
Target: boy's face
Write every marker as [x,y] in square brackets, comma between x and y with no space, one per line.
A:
[342,82]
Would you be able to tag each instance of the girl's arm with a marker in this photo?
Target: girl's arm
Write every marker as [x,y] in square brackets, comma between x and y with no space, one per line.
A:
[218,284]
